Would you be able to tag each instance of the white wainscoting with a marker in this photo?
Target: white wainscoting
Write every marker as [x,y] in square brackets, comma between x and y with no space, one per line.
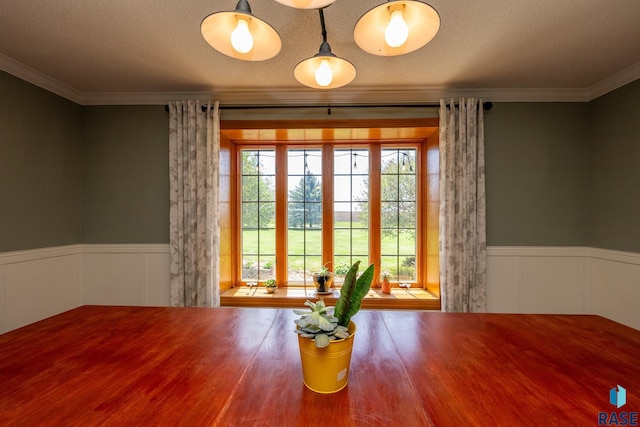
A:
[39,283]
[125,275]
[537,280]
[36,284]
[615,285]
[569,280]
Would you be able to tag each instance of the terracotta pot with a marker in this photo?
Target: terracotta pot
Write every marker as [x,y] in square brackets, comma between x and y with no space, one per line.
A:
[326,370]
[386,286]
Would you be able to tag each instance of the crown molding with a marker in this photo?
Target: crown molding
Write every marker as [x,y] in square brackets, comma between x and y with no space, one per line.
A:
[614,82]
[39,79]
[353,95]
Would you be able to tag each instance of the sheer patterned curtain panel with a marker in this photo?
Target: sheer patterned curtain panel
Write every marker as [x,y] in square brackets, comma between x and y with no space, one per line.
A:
[194,236]
[463,244]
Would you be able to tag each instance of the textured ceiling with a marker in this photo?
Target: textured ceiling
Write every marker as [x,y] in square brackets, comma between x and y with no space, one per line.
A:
[141,49]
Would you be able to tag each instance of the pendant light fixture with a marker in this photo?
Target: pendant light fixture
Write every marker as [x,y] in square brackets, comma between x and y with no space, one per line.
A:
[306,4]
[396,27]
[241,35]
[324,70]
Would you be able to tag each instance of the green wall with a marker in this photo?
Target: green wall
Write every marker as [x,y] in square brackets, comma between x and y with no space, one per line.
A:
[558,174]
[537,174]
[126,174]
[40,167]
[615,169]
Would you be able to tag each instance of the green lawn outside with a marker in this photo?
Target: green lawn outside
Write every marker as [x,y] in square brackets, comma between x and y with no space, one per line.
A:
[355,241]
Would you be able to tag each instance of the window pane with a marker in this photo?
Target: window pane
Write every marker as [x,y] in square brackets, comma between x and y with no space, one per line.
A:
[250,215]
[267,163]
[361,216]
[250,268]
[340,183]
[250,188]
[296,269]
[342,162]
[295,215]
[390,214]
[402,269]
[408,187]
[267,242]
[398,213]
[407,268]
[359,187]
[389,242]
[258,214]
[351,212]
[250,242]
[249,162]
[313,242]
[304,162]
[342,241]
[351,209]
[389,187]
[407,215]
[267,185]
[351,162]
[389,263]
[268,268]
[313,263]
[342,214]
[360,240]
[304,213]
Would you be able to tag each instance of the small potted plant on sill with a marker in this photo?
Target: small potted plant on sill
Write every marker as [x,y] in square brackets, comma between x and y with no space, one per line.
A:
[271,285]
[325,334]
[383,280]
[323,279]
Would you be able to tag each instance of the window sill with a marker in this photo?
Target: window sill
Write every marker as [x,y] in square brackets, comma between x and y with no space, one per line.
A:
[294,297]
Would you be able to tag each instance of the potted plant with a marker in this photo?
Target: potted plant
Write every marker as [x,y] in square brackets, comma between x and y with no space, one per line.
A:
[383,280]
[325,334]
[271,285]
[323,279]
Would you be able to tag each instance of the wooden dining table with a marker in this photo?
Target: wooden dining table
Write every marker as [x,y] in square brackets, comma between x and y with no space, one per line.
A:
[160,366]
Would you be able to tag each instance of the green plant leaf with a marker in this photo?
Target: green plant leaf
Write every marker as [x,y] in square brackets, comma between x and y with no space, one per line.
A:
[344,301]
[352,293]
[321,340]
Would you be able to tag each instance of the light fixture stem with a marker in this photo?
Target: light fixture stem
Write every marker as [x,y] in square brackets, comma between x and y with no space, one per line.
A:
[324,29]
[243,6]
[325,49]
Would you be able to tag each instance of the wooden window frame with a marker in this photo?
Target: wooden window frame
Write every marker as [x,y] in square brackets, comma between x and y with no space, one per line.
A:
[384,133]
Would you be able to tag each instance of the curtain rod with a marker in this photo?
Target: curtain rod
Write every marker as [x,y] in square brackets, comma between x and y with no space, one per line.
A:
[485,105]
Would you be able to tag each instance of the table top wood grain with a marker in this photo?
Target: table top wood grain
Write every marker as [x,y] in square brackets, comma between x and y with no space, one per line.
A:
[127,366]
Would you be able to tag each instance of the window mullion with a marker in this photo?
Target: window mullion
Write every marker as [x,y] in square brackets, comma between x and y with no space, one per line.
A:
[327,205]
[281,215]
[375,205]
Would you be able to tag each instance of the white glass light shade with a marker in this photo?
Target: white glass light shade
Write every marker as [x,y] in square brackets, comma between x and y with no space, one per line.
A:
[421,19]
[306,4]
[218,27]
[342,72]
